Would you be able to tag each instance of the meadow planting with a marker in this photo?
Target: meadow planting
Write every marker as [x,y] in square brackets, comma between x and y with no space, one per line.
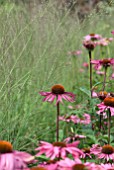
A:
[56,88]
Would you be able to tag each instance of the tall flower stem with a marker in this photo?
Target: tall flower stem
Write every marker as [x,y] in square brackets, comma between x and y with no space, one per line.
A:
[90,57]
[57,123]
[104,82]
[109,122]
[100,121]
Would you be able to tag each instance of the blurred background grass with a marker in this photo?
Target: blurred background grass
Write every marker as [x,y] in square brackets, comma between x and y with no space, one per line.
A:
[34,47]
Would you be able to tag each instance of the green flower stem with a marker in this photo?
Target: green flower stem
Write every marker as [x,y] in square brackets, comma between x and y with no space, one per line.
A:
[90,57]
[109,122]
[57,123]
[104,82]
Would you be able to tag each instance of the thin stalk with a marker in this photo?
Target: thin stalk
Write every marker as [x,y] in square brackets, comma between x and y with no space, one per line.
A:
[100,121]
[109,122]
[90,72]
[104,82]
[57,123]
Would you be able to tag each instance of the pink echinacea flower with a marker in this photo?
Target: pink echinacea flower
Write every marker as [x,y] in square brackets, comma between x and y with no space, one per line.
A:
[68,164]
[105,152]
[92,37]
[108,103]
[104,62]
[58,149]
[11,159]
[74,137]
[58,92]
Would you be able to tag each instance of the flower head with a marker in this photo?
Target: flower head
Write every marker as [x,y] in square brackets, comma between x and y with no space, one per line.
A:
[72,118]
[89,45]
[101,95]
[108,103]
[58,92]
[73,137]
[69,164]
[92,37]
[59,149]
[104,62]
[104,41]
[104,152]
[11,159]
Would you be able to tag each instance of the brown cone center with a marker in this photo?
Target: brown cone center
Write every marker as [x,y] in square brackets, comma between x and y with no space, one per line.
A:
[58,89]
[86,150]
[59,144]
[78,167]
[109,101]
[38,168]
[5,147]
[106,62]
[107,149]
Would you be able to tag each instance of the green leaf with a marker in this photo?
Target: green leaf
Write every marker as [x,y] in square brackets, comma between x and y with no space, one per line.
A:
[86,91]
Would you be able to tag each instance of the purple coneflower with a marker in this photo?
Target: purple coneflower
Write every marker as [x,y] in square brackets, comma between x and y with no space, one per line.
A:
[104,41]
[92,37]
[105,152]
[72,118]
[58,92]
[105,63]
[59,149]
[85,119]
[74,137]
[68,164]
[87,153]
[107,104]
[11,159]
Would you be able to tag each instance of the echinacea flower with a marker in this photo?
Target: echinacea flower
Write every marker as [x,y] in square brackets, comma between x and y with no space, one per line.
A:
[87,153]
[105,152]
[85,119]
[101,95]
[104,62]
[89,45]
[104,41]
[50,165]
[58,149]
[107,166]
[92,37]
[73,137]
[68,164]
[72,118]
[11,159]
[108,103]
[58,92]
